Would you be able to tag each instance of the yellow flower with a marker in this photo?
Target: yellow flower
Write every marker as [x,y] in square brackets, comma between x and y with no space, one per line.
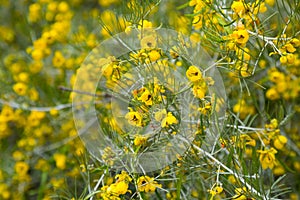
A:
[34,12]
[241,36]
[7,114]
[272,94]
[42,165]
[21,168]
[107,70]
[33,94]
[193,2]
[63,7]
[18,155]
[283,59]
[278,170]
[35,67]
[106,3]
[174,52]
[20,89]
[160,115]
[148,42]
[240,194]
[154,55]
[5,191]
[274,123]
[270,2]
[168,120]
[60,160]
[206,109]
[238,7]
[134,118]
[244,71]
[145,24]
[217,189]
[49,36]
[199,90]
[123,177]
[288,48]
[276,77]
[58,59]
[267,158]
[146,97]
[197,22]
[23,77]
[295,42]
[53,112]
[193,73]
[280,141]
[290,58]
[147,184]
[139,140]
[244,54]
[118,188]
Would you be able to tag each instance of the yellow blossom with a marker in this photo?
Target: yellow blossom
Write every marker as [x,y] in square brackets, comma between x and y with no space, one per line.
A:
[134,118]
[241,194]
[34,12]
[106,3]
[217,189]
[123,176]
[279,142]
[161,114]
[174,52]
[49,36]
[60,160]
[148,42]
[146,98]
[267,158]
[147,184]
[270,2]
[272,94]
[33,94]
[7,114]
[283,59]
[238,7]
[278,170]
[154,55]
[193,73]
[206,109]
[21,168]
[35,67]
[63,7]
[58,59]
[5,192]
[53,112]
[145,24]
[118,188]
[241,36]
[139,140]
[23,77]
[169,120]
[20,88]
[276,76]
[288,48]
[200,89]
[290,58]
[244,71]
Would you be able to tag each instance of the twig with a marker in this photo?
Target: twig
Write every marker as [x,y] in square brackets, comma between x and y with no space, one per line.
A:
[248,186]
[97,185]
